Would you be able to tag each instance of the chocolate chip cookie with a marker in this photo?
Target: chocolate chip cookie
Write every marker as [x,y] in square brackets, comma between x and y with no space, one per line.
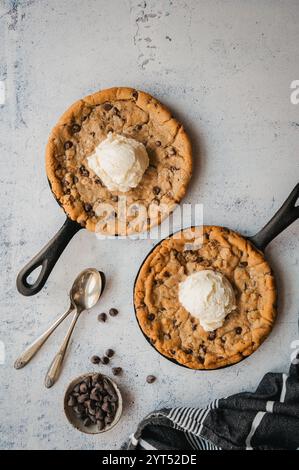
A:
[84,126]
[177,334]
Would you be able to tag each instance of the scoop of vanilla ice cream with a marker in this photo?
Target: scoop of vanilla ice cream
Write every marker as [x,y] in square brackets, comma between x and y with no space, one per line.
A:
[208,296]
[119,162]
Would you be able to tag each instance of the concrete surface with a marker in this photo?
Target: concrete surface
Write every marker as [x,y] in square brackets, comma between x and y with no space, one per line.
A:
[225,68]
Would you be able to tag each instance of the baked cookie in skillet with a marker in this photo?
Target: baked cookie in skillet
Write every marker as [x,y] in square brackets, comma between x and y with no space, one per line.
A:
[132,114]
[177,334]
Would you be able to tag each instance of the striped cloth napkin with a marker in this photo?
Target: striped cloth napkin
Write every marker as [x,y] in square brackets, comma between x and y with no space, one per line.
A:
[265,419]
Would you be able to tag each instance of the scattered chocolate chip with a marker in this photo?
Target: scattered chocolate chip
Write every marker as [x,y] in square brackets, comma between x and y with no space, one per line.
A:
[135,94]
[83,171]
[75,179]
[113,312]
[212,335]
[114,198]
[75,128]
[98,181]
[150,379]
[138,127]
[102,317]
[107,106]
[158,143]
[116,370]
[87,207]
[156,190]
[194,327]
[243,264]
[172,352]
[200,359]
[95,359]
[68,144]
[105,360]
[188,351]
[238,330]
[109,353]
[151,317]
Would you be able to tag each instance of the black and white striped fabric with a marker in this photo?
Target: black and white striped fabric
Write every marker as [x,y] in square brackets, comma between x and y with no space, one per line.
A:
[265,419]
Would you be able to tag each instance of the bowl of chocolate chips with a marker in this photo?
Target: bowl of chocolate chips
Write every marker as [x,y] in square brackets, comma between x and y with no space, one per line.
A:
[93,403]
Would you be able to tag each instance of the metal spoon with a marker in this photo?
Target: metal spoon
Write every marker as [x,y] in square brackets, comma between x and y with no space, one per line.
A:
[85,293]
[30,352]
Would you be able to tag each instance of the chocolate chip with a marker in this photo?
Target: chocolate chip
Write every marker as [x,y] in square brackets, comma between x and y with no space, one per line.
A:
[83,171]
[98,181]
[75,128]
[87,207]
[113,312]
[107,106]
[138,127]
[171,151]
[156,190]
[135,94]
[238,330]
[243,264]
[116,370]
[102,317]
[114,198]
[158,143]
[87,422]
[95,359]
[106,407]
[172,352]
[200,359]
[188,351]
[82,398]
[83,387]
[194,327]
[212,335]
[109,353]
[101,424]
[72,401]
[75,179]
[105,360]
[68,144]
[150,379]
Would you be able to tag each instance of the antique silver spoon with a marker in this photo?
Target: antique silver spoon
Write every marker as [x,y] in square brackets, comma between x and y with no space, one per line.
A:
[81,279]
[85,293]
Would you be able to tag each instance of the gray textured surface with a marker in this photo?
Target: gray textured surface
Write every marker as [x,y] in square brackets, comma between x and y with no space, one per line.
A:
[225,68]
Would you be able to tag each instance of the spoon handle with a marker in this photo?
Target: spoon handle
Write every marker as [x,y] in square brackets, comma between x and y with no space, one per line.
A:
[28,354]
[55,368]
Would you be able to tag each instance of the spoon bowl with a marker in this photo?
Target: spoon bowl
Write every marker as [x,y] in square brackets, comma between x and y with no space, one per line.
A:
[86,289]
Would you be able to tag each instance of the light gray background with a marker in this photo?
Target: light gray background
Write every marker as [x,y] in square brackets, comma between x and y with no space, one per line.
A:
[224,68]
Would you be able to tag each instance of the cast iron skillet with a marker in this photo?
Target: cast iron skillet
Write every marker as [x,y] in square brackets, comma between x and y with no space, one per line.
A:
[284,217]
[47,257]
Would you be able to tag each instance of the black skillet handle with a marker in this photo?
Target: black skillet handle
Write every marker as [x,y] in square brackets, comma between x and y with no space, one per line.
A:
[46,258]
[284,217]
